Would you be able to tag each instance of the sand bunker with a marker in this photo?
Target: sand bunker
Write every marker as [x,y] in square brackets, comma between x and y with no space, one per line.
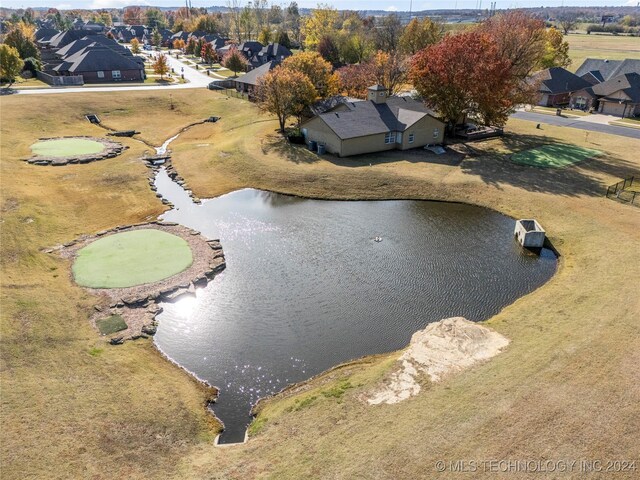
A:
[443,347]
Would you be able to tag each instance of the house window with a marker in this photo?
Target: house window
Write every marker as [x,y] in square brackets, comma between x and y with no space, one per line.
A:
[436,132]
[115,74]
[390,138]
[581,102]
[100,74]
[381,94]
[411,137]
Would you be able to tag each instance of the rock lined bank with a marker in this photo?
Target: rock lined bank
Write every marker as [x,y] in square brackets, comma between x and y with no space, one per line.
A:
[139,305]
[111,149]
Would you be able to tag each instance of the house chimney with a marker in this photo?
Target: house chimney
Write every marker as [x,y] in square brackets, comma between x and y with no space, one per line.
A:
[377,94]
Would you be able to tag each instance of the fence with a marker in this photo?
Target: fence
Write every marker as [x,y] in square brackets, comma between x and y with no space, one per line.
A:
[622,190]
[57,81]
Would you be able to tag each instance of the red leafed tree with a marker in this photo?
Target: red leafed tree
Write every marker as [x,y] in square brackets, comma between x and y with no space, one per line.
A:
[132,16]
[386,69]
[465,74]
[234,60]
[356,78]
[208,54]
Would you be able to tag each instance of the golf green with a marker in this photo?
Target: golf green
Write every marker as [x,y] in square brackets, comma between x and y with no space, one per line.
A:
[131,258]
[553,156]
[67,147]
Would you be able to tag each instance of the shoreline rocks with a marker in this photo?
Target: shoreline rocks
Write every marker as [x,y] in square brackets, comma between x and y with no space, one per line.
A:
[112,149]
[138,305]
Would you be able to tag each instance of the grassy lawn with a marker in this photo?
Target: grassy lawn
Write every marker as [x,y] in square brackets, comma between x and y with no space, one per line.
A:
[626,122]
[27,83]
[131,258]
[66,147]
[565,113]
[611,47]
[75,407]
[554,156]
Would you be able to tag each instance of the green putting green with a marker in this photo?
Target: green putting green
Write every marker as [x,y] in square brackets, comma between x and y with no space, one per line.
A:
[553,156]
[67,147]
[131,258]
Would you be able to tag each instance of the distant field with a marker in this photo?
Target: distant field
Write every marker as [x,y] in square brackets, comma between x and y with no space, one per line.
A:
[612,47]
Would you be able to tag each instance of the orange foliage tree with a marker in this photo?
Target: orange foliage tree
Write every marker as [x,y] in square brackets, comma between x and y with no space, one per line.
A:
[465,74]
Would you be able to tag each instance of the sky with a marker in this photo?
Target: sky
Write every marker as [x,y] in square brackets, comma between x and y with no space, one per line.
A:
[389,5]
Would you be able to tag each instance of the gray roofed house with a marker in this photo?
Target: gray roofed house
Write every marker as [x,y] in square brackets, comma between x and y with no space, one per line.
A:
[246,83]
[100,64]
[377,124]
[619,95]
[273,51]
[68,36]
[556,86]
[45,34]
[596,70]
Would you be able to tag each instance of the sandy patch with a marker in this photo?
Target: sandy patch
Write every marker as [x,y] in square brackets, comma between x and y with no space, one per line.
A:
[442,348]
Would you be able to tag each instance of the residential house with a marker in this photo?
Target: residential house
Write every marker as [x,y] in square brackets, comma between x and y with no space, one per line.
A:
[556,86]
[272,52]
[596,70]
[100,64]
[619,96]
[612,86]
[248,82]
[377,124]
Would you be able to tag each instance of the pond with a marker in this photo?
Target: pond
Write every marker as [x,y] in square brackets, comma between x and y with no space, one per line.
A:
[308,285]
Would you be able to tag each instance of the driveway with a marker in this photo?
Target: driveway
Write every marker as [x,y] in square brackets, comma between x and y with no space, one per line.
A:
[196,78]
[580,123]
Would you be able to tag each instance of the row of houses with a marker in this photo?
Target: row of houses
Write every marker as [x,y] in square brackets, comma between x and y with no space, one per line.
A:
[93,56]
[610,87]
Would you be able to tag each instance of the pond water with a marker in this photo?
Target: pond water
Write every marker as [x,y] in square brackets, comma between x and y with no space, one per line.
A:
[307,286]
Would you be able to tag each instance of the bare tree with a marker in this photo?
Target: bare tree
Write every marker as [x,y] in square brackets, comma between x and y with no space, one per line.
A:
[567,22]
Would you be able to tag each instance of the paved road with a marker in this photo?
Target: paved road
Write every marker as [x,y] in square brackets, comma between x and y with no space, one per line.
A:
[196,78]
[577,123]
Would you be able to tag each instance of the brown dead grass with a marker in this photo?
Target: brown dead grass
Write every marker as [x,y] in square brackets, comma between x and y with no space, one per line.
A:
[566,388]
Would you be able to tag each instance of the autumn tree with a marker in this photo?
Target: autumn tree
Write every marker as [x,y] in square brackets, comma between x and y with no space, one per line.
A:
[207,23]
[21,37]
[317,70]
[10,63]
[329,50]
[192,45]
[465,75]
[521,41]
[285,93]
[135,46]
[355,40]
[179,44]
[556,53]
[387,69]
[161,65]
[234,61]
[265,36]
[356,78]
[419,34]
[132,16]
[208,54]
[321,23]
